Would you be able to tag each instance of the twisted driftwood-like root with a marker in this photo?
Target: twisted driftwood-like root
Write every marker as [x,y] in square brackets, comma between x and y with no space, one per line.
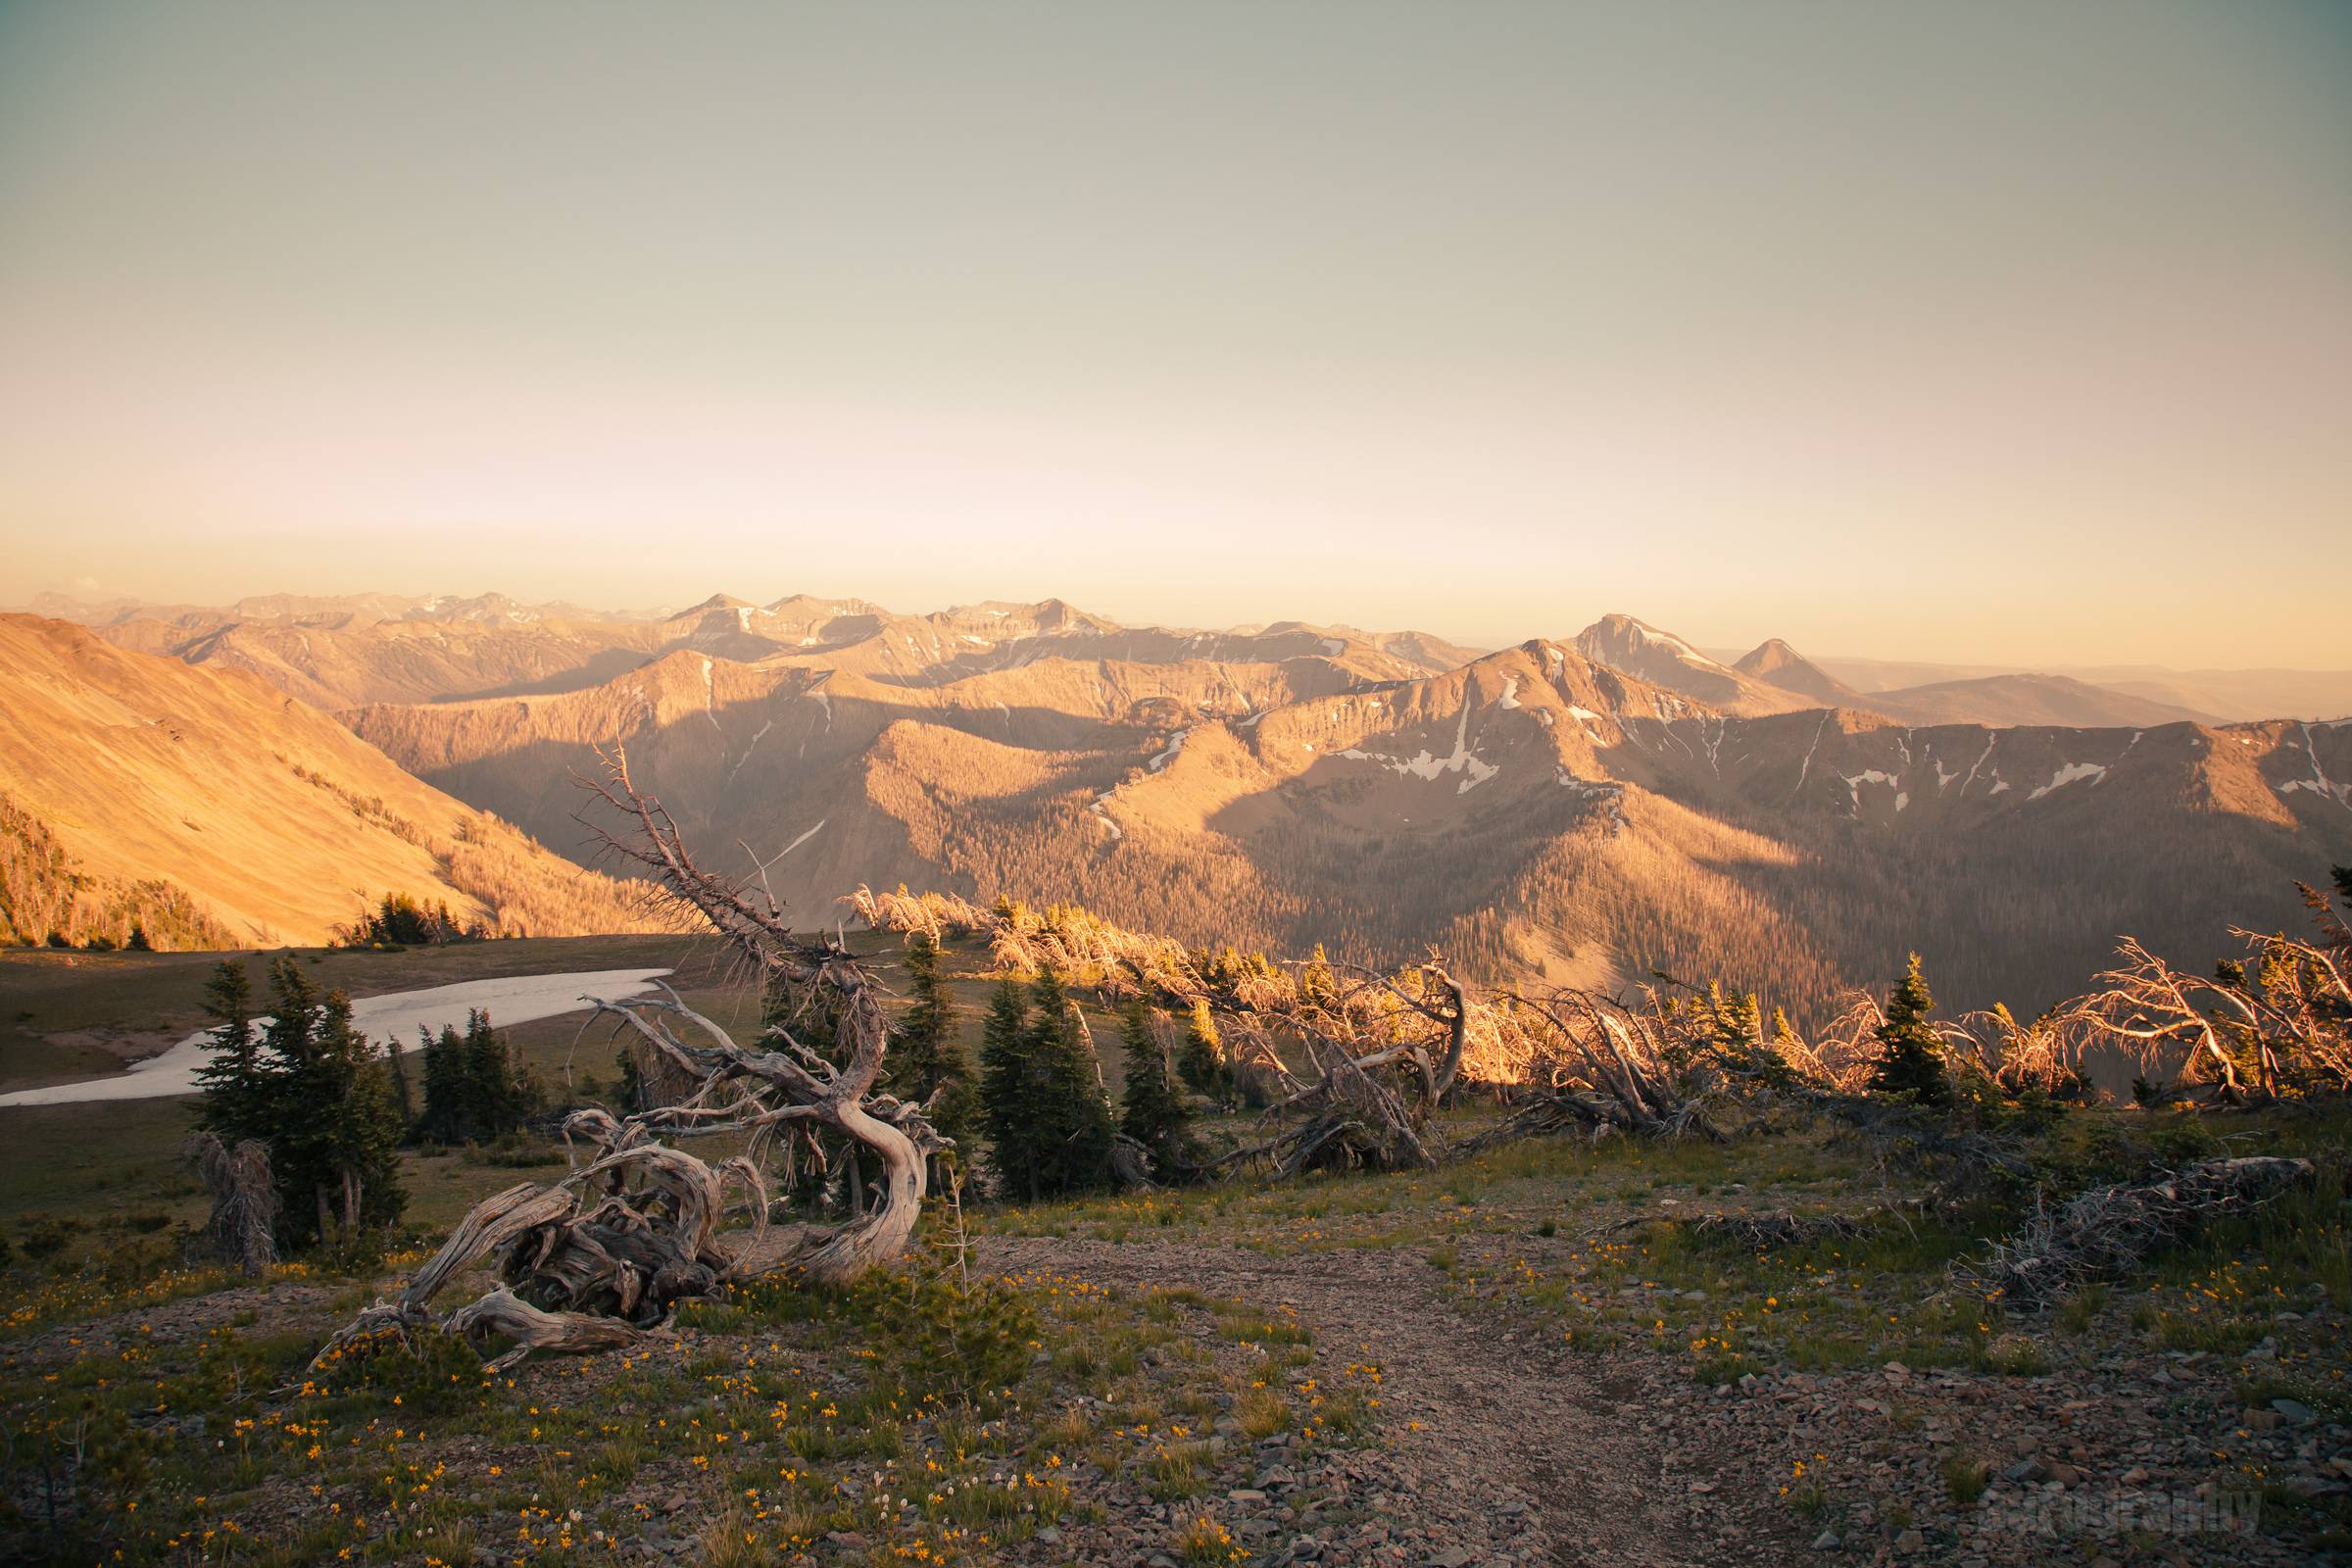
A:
[595,1259]
[506,1315]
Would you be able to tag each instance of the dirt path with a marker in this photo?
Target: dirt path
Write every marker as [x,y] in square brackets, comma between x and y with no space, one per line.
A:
[1510,1448]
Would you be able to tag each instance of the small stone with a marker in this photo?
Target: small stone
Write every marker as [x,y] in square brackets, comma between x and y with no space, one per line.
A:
[1910,1540]
[1245,1495]
[2294,1411]
[1453,1557]
[1827,1541]
[2024,1470]
[1048,1536]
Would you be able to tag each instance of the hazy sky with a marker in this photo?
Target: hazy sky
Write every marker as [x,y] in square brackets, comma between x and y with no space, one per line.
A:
[2016,332]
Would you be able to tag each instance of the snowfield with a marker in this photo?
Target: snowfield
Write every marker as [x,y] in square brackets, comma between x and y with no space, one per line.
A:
[516,999]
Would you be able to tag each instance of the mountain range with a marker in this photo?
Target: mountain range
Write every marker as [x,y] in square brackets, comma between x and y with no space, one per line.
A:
[1589,809]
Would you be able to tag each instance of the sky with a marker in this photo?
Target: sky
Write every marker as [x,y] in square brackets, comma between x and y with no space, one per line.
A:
[2000,332]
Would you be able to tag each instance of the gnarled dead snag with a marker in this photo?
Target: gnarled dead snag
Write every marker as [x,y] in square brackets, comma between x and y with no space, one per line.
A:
[243,1224]
[1349,1105]
[2281,1017]
[1604,1066]
[2106,1231]
[590,1261]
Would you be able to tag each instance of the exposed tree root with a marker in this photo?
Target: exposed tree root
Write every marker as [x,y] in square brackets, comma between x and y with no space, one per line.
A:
[587,1263]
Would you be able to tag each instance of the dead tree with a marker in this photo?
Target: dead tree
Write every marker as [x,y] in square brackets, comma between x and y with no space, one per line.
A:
[244,1225]
[2151,1009]
[2105,1233]
[1381,1052]
[590,1261]
[1601,1066]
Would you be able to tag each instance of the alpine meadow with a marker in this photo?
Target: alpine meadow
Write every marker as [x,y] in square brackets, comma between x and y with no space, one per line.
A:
[1596,808]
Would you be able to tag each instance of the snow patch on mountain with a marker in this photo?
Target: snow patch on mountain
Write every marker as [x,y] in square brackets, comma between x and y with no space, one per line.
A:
[2071,773]
[1872,775]
[1175,746]
[1427,765]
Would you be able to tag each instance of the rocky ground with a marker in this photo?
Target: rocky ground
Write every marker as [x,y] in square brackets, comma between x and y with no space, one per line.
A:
[1517,1362]
[1504,1447]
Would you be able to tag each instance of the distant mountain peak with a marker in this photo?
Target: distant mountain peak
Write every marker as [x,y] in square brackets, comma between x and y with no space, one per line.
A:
[1773,661]
[1635,647]
[715,602]
[1631,630]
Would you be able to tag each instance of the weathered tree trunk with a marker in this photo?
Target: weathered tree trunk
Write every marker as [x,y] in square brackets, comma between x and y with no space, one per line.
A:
[244,1218]
[588,1262]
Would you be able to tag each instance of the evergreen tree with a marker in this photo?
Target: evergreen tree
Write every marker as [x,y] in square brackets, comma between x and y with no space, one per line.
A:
[1008,1092]
[926,1060]
[335,1131]
[474,1090]
[396,1063]
[629,1092]
[444,1119]
[1316,983]
[811,1015]
[1152,1112]
[493,1093]
[1072,1111]
[233,1079]
[1201,1059]
[1912,1066]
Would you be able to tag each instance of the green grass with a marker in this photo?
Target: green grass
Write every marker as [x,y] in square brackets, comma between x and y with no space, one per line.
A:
[773,1408]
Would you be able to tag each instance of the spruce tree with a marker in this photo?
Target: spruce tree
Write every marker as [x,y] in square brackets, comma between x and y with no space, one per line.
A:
[1912,1066]
[1073,1114]
[1008,1092]
[233,1079]
[1315,984]
[446,1084]
[396,1065]
[491,1092]
[1152,1112]
[629,1090]
[811,1015]
[334,1129]
[1201,1059]
[927,1064]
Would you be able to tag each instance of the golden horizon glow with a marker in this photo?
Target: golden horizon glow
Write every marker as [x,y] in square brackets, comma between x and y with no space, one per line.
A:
[1999,334]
